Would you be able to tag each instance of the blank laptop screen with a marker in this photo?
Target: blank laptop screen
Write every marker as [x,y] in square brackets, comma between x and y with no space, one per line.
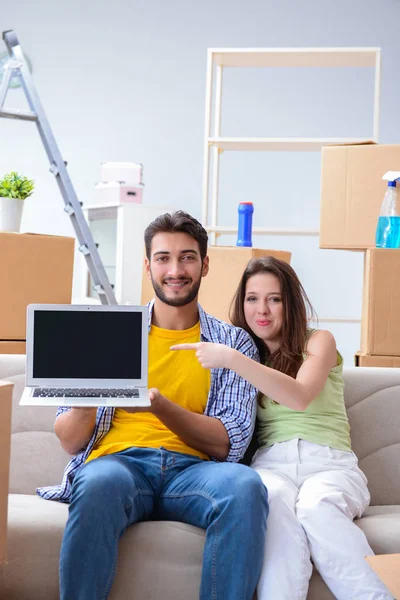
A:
[87,344]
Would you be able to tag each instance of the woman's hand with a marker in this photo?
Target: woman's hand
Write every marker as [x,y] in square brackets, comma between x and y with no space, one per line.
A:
[210,356]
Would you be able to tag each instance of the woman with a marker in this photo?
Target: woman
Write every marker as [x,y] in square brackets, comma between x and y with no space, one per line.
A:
[315,486]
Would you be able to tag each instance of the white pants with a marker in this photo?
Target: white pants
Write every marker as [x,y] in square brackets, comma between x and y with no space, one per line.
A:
[315,492]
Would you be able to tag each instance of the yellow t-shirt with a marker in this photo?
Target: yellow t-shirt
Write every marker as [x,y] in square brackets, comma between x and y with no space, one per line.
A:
[168,371]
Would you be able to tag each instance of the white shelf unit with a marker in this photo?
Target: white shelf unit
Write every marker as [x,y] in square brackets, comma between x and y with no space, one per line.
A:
[118,230]
[215,145]
[279,144]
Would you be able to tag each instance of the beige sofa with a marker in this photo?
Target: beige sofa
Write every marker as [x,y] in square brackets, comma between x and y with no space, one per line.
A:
[162,560]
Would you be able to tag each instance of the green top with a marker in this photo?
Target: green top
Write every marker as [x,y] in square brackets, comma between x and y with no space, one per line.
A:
[323,422]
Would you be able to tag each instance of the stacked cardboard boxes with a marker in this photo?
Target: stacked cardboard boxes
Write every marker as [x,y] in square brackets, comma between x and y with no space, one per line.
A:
[6,389]
[352,191]
[227,264]
[33,269]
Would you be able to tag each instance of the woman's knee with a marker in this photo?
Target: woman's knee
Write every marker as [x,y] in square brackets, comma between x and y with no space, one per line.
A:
[282,494]
[319,508]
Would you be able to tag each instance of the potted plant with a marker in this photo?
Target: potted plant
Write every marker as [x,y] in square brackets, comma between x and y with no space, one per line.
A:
[14,188]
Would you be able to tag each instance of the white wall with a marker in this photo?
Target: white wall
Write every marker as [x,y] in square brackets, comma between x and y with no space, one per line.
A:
[126,81]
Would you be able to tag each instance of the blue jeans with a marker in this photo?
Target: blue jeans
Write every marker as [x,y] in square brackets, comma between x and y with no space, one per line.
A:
[112,492]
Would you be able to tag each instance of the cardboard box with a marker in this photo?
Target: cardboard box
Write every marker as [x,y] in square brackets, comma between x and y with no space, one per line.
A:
[380,323]
[352,192]
[33,269]
[371,360]
[387,567]
[11,347]
[5,441]
[227,264]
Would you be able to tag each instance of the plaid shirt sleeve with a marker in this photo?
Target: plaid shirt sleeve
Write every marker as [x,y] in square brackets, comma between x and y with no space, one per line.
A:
[62,492]
[61,410]
[232,400]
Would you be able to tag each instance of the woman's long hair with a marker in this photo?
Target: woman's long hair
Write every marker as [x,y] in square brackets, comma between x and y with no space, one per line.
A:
[297,309]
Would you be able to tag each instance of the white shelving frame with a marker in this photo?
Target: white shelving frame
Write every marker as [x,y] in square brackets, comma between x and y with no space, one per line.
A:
[215,145]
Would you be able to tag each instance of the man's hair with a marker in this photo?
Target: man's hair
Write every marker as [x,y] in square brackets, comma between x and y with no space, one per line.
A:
[177,222]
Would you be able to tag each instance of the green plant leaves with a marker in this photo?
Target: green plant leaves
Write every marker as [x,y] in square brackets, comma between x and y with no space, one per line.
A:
[16,186]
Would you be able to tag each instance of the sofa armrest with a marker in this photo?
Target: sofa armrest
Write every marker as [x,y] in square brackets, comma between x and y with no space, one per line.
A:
[6,389]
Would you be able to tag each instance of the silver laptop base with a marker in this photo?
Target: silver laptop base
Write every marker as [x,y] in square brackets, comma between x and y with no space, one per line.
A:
[28,399]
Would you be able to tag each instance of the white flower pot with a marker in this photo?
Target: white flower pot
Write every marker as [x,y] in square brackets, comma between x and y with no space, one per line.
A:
[10,214]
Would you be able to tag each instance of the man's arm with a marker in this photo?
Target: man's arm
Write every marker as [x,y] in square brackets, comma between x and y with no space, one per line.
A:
[226,432]
[201,432]
[74,428]
[235,403]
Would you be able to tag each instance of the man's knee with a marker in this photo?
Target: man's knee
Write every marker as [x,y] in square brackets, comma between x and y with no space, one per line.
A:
[252,484]
[244,486]
[100,478]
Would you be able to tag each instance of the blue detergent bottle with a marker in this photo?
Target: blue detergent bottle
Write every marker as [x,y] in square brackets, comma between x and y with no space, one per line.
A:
[388,228]
[245,213]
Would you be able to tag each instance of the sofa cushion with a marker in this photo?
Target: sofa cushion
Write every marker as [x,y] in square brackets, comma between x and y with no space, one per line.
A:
[30,418]
[37,458]
[159,560]
[381,525]
[153,556]
[35,530]
[372,398]
[317,589]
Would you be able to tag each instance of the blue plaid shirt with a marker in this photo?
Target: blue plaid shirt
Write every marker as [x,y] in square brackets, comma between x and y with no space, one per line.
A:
[231,400]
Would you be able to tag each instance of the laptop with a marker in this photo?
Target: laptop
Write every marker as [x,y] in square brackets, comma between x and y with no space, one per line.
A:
[86,355]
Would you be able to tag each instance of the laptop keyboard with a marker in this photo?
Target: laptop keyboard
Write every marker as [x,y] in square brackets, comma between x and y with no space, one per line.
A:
[85,393]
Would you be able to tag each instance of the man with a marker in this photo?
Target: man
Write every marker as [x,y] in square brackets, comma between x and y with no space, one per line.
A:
[168,461]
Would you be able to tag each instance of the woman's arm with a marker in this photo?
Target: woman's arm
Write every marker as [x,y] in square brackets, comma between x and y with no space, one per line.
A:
[294,393]
[310,380]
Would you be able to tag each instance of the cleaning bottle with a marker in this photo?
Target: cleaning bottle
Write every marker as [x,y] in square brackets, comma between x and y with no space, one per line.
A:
[388,228]
[245,210]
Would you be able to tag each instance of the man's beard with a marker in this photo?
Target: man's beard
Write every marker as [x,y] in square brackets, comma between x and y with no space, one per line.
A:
[183,301]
